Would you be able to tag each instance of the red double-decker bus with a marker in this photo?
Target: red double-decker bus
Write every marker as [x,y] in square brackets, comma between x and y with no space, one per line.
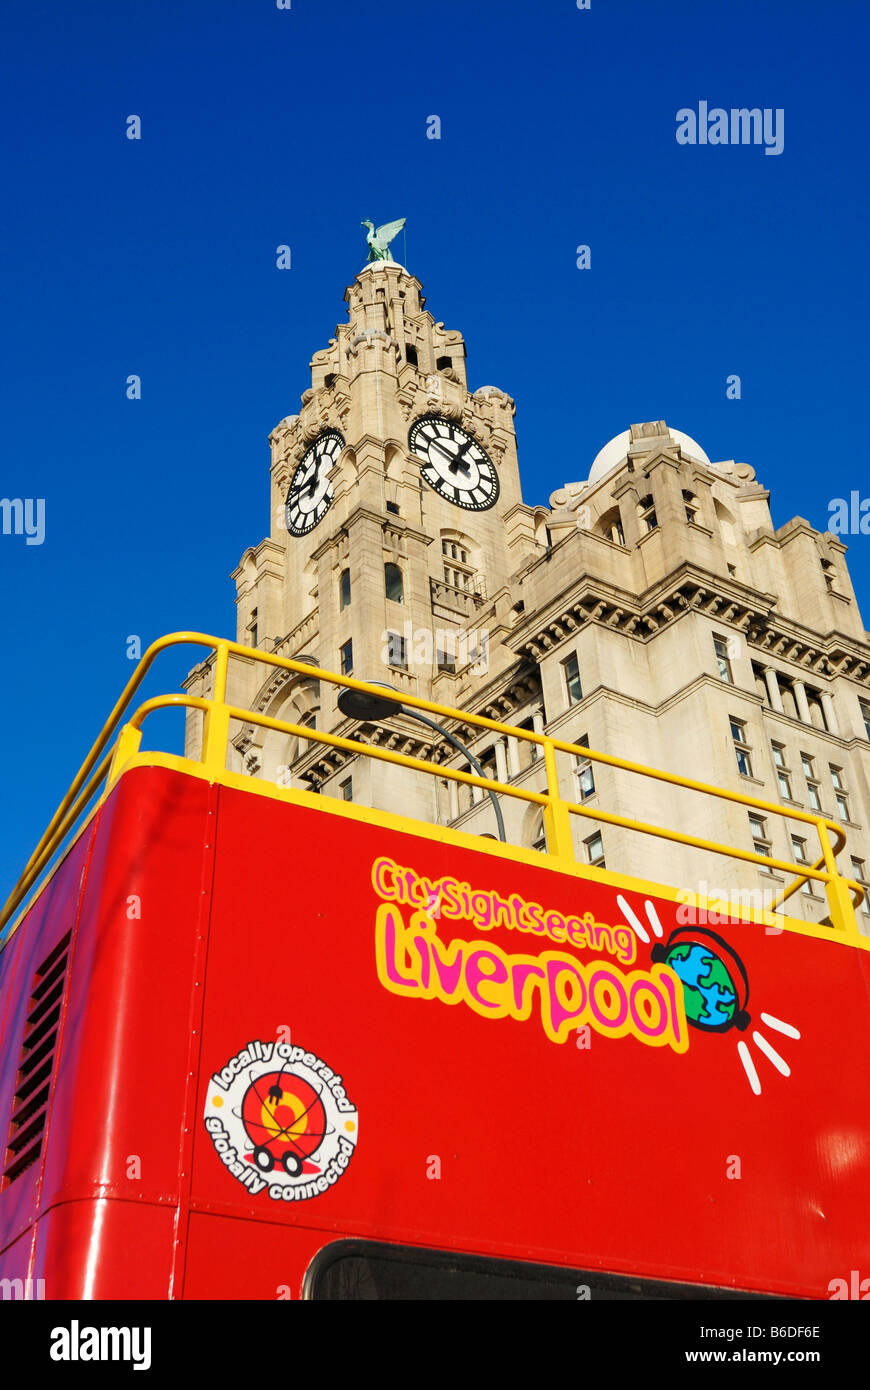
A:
[408,1061]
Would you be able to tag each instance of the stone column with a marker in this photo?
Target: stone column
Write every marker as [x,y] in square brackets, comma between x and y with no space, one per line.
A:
[513,757]
[800,695]
[773,689]
[538,726]
[501,768]
[830,713]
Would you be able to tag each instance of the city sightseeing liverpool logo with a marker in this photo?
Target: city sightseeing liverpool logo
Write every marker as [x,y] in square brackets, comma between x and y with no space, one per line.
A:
[694,983]
[281,1121]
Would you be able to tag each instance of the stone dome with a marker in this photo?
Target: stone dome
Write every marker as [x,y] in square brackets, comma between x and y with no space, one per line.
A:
[616,451]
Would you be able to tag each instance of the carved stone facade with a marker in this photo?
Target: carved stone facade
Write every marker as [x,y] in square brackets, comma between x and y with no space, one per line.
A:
[651,611]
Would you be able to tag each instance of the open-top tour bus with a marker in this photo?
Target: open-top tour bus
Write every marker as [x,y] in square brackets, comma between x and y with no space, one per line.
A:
[411,1061]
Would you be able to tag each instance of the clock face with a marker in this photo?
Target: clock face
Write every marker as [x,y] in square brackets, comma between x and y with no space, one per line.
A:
[453,463]
[309,496]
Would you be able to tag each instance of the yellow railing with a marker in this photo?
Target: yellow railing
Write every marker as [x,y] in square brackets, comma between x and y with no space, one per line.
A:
[107,760]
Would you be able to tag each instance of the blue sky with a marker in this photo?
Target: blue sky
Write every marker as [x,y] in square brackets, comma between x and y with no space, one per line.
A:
[262,127]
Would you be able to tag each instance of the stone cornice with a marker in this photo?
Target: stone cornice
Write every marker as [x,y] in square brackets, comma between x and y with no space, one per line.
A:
[690,588]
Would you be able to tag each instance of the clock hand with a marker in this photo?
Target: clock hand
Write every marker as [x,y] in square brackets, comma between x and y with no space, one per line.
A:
[453,460]
[459,462]
[306,486]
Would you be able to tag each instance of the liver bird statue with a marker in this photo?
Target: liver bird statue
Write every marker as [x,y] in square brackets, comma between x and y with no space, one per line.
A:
[379,241]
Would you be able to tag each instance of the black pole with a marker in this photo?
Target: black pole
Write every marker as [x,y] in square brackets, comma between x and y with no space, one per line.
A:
[457,743]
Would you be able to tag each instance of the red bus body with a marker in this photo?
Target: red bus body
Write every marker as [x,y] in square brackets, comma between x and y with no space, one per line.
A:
[490,1073]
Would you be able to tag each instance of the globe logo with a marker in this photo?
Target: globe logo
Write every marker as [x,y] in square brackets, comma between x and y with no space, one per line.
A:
[714,980]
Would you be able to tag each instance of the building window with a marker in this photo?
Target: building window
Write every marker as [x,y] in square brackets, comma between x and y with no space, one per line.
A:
[809,771]
[690,502]
[443,364]
[445,653]
[393,508]
[760,840]
[799,849]
[393,583]
[723,661]
[411,354]
[595,850]
[397,651]
[253,629]
[865,715]
[647,512]
[783,775]
[584,772]
[840,795]
[829,573]
[742,749]
[346,789]
[458,569]
[571,667]
[478,649]
[859,872]
[344,589]
[346,655]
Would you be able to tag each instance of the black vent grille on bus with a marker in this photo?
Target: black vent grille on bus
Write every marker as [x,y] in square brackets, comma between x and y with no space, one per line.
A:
[36,1065]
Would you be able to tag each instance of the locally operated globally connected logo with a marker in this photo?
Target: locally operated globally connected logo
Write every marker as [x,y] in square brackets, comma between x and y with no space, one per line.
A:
[281,1121]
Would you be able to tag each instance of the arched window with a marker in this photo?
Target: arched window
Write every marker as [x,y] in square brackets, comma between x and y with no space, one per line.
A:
[393,583]
[411,354]
[610,526]
[344,589]
[460,571]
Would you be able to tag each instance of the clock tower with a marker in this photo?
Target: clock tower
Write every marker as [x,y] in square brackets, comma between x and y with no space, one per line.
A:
[396,523]
[652,611]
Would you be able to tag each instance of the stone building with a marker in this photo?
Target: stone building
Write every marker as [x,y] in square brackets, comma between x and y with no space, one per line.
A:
[651,611]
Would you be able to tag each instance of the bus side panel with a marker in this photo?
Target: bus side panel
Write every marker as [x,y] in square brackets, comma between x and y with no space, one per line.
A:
[105,1249]
[129,1048]
[733,1162]
[15,1262]
[233,1258]
[51,917]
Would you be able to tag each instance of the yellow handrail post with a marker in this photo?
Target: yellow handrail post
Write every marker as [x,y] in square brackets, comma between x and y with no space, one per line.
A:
[557,817]
[221,665]
[837,889]
[126,747]
[216,727]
